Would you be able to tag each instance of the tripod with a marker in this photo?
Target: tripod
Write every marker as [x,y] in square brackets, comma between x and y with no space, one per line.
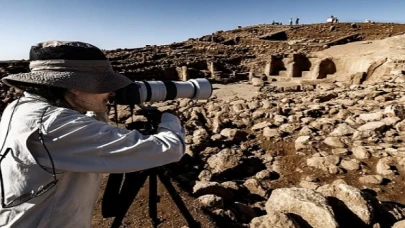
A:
[116,204]
[122,189]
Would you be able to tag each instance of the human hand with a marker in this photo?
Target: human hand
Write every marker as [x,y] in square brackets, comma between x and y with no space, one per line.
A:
[173,112]
[170,116]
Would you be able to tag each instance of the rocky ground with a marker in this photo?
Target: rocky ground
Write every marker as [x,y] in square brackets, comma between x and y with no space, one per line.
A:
[328,154]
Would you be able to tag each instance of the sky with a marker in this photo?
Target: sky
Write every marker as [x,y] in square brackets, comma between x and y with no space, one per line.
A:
[135,23]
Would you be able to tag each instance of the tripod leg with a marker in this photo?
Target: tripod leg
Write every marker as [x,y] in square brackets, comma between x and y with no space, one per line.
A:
[153,197]
[109,204]
[178,201]
[132,184]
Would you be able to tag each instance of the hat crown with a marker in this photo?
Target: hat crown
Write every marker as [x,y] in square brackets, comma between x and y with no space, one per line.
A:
[69,50]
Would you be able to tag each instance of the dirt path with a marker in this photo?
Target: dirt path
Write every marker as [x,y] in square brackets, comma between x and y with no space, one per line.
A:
[230,91]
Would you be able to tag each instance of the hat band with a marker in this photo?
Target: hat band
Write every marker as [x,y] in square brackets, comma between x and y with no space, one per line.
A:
[88,66]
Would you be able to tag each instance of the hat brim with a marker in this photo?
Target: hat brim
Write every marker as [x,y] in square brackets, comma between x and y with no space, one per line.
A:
[101,82]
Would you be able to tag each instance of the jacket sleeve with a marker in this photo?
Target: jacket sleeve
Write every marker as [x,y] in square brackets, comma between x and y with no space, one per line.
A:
[80,143]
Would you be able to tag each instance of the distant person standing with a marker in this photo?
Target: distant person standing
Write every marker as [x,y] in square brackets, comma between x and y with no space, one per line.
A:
[291,21]
[297,21]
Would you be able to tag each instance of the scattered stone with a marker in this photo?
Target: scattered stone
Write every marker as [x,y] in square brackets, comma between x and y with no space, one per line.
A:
[352,164]
[334,142]
[306,203]
[361,152]
[302,142]
[255,187]
[399,224]
[371,179]
[274,219]
[353,199]
[211,201]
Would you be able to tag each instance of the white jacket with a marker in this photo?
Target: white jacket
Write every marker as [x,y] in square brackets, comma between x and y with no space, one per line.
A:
[82,148]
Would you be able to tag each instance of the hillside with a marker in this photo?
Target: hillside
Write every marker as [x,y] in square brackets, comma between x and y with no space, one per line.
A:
[227,54]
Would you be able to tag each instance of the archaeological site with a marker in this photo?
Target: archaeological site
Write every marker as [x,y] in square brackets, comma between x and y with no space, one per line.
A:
[305,127]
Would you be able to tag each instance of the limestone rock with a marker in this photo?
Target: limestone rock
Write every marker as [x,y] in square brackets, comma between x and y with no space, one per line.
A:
[274,219]
[352,198]
[308,204]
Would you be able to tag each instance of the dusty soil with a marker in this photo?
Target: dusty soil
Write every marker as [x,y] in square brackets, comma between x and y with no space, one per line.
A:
[231,91]
[168,214]
[294,168]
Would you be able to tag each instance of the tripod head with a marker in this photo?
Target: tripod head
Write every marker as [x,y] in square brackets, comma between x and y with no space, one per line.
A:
[152,115]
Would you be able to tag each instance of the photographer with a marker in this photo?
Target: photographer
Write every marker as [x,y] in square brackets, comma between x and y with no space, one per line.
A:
[53,155]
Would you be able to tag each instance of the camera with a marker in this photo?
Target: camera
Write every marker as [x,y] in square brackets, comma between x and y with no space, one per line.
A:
[121,189]
[153,91]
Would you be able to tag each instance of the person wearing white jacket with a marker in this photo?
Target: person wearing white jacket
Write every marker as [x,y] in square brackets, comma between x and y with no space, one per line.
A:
[52,155]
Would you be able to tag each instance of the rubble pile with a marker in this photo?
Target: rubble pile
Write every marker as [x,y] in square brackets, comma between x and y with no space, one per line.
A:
[330,156]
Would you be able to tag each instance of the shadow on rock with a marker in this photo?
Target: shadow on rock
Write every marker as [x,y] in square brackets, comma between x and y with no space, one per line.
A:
[344,216]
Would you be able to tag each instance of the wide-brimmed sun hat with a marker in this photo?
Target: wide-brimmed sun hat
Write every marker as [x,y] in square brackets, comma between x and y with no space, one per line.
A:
[70,65]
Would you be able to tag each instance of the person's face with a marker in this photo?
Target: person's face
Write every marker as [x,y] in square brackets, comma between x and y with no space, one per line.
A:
[84,101]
